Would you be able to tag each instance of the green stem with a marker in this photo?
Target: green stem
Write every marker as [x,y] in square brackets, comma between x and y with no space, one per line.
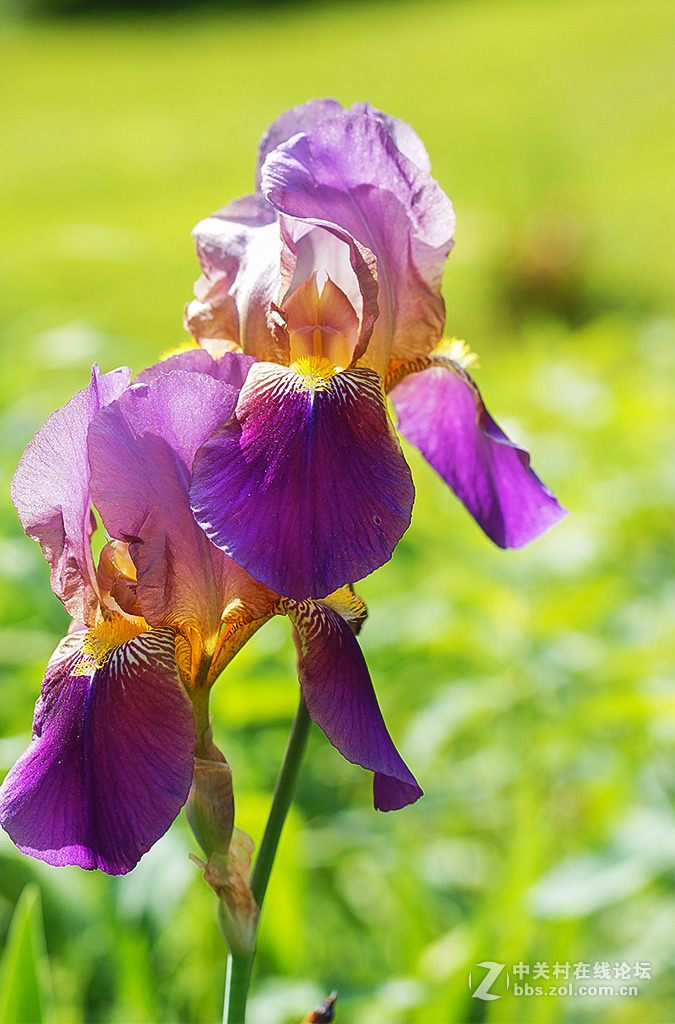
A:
[236,988]
[239,968]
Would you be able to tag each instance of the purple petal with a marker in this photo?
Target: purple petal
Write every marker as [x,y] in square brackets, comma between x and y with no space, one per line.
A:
[239,250]
[298,119]
[340,698]
[306,487]
[111,759]
[403,136]
[348,172]
[141,450]
[50,490]
[231,367]
[302,119]
[441,412]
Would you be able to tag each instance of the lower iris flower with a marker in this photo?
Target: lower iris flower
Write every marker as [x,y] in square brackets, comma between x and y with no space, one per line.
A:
[124,703]
[329,276]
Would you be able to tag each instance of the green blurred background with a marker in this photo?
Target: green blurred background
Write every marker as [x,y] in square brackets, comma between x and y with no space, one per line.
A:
[526,690]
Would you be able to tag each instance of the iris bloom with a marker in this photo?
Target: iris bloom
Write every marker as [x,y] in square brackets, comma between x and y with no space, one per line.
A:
[123,708]
[329,276]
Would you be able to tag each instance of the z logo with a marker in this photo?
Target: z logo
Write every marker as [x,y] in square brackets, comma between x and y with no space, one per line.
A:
[493,972]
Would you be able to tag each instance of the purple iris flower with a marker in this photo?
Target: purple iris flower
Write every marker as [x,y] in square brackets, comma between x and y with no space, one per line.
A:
[330,277]
[154,622]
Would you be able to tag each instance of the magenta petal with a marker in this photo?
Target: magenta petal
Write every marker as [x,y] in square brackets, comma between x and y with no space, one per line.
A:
[340,698]
[50,490]
[441,412]
[141,450]
[348,172]
[305,488]
[111,760]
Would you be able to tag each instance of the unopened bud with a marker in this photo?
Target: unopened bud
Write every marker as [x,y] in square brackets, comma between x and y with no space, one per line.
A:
[210,806]
[323,1014]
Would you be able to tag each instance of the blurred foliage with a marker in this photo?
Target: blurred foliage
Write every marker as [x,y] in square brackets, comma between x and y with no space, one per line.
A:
[25,990]
[103,9]
[528,691]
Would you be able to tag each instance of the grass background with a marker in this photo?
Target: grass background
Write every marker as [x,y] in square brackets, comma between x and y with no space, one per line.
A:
[528,691]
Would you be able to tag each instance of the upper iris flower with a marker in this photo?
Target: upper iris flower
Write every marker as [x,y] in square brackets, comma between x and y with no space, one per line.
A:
[330,276]
[124,703]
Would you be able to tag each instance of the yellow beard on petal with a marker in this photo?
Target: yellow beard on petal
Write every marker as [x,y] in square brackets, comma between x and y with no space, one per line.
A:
[314,373]
[102,638]
[458,351]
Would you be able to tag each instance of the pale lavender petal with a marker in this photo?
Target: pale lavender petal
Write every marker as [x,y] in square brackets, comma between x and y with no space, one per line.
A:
[141,451]
[347,171]
[319,246]
[306,487]
[239,250]
[298,119]
[403,136]
[50,490]
[441,412]
[111,759]
[231,367]
[340,698]
[313,248]
[303,118]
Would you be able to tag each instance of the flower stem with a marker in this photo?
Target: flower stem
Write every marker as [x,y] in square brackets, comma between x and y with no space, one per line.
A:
[239,968]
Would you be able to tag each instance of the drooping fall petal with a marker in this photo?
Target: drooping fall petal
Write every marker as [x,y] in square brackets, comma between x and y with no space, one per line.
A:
[306,487]
[50,491]
[111,759]
[441,412]
[340,698]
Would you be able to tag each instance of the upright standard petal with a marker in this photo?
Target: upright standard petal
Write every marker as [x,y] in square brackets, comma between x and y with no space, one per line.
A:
[339,694]
[348,172]
[319,248]
[306,487]
[141,450]
[50,491]
[239,250]
[441,412]
[292,122]
[303,118]
[404,137]
[111,760]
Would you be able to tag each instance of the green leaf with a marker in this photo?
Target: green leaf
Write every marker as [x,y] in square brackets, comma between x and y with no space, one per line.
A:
[25,985]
